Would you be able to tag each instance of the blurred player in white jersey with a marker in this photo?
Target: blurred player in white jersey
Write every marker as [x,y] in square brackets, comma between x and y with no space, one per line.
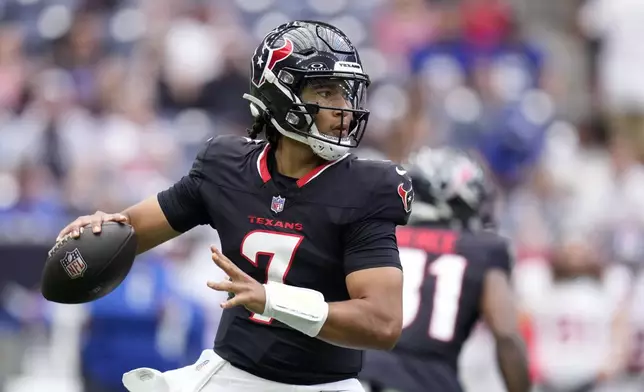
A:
[579,324]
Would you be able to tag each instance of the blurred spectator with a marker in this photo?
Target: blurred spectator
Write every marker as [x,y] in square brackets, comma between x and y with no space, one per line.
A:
[579,325]
[486,22]
[81,52]
[404,25]
[438,68]
[145,322]
[512,137]
[510,66]
[617,24]
[13,67]
[217,78]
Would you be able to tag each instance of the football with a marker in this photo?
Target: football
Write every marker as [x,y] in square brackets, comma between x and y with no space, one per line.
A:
[89,267]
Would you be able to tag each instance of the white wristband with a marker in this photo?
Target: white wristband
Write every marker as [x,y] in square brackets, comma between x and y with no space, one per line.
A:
[302,309]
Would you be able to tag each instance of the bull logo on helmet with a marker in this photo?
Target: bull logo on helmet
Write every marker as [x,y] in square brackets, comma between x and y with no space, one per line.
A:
[266,57]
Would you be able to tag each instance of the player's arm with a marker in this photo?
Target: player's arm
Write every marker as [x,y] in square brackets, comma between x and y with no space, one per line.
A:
[500,314]
[159,218]
[147,219]
[371,319]
[150,224]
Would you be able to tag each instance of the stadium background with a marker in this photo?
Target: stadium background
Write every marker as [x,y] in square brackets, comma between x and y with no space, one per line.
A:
[104,102]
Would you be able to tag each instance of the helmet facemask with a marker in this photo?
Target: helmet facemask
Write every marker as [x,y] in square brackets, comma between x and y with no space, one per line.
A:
[305,94]
[343,97]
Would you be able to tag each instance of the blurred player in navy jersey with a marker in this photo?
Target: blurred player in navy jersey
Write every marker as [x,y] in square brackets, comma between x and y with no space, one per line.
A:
[456,271]
[307,229]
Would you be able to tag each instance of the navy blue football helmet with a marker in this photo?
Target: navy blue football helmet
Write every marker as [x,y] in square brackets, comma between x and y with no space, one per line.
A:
[450,186]
[302,53]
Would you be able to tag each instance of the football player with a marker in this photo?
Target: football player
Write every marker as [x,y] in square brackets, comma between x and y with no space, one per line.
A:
[456,271]
[307,229]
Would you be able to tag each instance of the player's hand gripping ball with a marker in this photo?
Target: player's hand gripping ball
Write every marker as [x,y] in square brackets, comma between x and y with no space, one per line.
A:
[95,222]
[247,291]
[91,257]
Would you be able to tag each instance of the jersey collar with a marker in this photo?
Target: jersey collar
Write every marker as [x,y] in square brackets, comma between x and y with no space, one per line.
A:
[265,174]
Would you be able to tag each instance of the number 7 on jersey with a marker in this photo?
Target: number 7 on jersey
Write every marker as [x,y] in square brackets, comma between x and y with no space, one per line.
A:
[280,247]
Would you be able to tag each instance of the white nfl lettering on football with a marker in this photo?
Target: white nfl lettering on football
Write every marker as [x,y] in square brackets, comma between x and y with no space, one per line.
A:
[74,264]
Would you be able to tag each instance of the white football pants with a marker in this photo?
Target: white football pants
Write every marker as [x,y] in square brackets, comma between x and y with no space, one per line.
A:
[211,373]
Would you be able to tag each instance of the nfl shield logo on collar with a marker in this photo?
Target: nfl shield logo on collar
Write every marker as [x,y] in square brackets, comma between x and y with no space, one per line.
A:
[277,205]
[74,264]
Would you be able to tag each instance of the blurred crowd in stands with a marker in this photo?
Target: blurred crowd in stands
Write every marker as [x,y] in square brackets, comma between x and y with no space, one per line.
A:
[105,102]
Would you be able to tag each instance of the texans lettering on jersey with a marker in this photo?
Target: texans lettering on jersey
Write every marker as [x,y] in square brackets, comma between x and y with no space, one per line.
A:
[309,232]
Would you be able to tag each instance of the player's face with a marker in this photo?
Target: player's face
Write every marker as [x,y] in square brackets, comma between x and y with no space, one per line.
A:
[332,96]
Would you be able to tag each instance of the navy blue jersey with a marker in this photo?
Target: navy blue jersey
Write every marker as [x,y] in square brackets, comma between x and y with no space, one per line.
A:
[444,276]
[311,232]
